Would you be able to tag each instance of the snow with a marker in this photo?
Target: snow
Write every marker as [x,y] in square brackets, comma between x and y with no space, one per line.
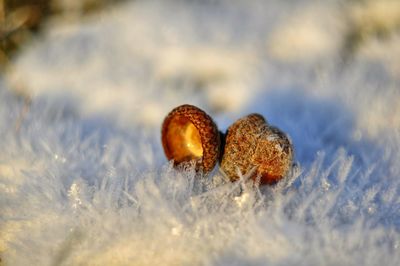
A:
[83,178]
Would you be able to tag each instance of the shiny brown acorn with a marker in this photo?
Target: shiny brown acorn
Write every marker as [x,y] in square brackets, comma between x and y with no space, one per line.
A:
[189,134]
[252,143]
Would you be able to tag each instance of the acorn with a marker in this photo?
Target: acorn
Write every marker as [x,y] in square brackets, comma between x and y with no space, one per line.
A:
[253,144]
[189,134]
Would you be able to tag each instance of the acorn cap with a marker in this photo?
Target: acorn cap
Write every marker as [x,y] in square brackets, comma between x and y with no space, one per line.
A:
[188,134]
[252,143]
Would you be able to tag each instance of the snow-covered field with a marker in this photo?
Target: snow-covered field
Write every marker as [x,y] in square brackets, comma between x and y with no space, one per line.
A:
[83,177]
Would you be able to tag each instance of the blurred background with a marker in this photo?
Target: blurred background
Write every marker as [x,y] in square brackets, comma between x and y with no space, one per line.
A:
[20,20]
[130,62]
[363,20]
[226,36]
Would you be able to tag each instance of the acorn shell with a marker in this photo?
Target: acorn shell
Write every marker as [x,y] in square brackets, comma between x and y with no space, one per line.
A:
[252,143]
[188,133]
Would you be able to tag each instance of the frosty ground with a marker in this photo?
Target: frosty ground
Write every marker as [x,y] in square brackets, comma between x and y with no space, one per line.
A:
[83,178]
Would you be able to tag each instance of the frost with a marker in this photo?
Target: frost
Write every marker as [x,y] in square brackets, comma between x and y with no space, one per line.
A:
[83,178]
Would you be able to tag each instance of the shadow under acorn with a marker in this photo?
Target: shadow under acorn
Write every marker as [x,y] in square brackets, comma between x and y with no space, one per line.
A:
[316,125]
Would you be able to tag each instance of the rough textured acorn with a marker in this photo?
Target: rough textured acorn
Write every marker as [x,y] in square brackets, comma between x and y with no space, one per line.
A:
[252,143]
[188,133]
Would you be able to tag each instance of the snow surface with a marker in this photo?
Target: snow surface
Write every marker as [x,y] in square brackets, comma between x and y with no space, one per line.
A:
[83,178]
